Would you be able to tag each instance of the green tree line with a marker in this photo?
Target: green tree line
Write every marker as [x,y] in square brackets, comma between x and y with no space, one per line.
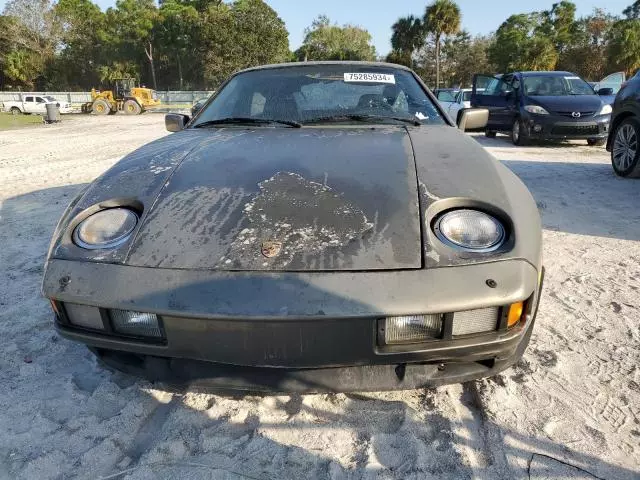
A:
[178,44]
[555,39]
[73,44]
[195,44]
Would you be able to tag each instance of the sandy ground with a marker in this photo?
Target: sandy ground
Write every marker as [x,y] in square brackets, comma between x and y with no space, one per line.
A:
[573,399]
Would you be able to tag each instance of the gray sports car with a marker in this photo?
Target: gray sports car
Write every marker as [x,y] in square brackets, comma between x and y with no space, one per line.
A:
[316,227]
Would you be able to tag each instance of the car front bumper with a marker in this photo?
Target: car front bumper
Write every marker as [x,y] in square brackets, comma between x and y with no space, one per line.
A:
[565,128]
[298,332]
[461,363]
[465,366]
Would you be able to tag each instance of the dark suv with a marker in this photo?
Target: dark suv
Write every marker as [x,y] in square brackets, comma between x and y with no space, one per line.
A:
[625,130]
[543,105]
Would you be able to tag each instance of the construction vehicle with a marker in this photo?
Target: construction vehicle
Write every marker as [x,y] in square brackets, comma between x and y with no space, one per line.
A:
[124,96]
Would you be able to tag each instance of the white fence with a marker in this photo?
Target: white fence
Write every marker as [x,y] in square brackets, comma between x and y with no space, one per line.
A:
[78,98]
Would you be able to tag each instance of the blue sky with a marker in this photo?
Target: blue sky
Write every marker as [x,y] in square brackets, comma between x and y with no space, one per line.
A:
[377,16]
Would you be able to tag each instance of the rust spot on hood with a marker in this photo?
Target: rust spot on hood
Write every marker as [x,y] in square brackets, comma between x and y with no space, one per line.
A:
[293,215]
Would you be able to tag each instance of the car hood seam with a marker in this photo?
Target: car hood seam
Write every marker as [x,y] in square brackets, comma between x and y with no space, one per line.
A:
[132,242]
[421,207]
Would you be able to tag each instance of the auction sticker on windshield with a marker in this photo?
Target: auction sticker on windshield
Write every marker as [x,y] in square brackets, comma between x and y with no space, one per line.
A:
[370,77]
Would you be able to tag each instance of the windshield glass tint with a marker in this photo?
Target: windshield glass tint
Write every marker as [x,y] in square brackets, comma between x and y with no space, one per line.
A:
[314,92]
[50,99]
[556,85]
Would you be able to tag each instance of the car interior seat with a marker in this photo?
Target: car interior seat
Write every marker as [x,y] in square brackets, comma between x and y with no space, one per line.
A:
[390,94]
[544,88]
[556,87]
[371,100]
[281,107]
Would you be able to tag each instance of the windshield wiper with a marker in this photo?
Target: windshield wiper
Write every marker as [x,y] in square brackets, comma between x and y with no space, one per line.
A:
[246,121]
[363,118]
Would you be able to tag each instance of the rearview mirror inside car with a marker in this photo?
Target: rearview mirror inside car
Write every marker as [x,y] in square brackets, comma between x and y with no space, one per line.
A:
[472,118]
[174,122]
[605,91]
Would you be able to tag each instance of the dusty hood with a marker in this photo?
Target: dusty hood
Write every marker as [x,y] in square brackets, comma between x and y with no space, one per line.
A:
[455,171]
[302,200]
[284,199]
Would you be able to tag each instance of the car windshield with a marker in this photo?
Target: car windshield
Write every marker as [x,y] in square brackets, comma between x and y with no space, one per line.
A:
[319,94]
[556,86]
[49,98]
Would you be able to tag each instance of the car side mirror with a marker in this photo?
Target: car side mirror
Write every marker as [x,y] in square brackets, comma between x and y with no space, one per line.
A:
[174,122]
[472,118]
[605,91]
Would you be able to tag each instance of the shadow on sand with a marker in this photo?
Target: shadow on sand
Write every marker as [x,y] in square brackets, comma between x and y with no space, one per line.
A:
[389,439]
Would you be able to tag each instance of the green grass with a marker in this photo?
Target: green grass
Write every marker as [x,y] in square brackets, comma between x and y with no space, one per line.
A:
[8,121]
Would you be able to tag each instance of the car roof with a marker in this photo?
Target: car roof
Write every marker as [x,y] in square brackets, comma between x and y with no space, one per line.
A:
[545,73]
[328,63]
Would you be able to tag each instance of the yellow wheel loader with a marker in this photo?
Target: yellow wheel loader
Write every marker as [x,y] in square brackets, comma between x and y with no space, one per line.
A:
[123,97]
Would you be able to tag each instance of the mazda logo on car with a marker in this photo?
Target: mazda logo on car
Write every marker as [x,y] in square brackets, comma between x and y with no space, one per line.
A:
[575,114]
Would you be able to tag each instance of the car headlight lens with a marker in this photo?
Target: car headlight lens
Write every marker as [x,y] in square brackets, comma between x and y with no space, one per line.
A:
[605,110]
[135,323]
[105,229]
[412,328]
[470,230]
[536,109]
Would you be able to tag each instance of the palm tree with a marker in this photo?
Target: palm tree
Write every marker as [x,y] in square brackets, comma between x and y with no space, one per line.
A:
[624,46]
[442,17]
[407,37]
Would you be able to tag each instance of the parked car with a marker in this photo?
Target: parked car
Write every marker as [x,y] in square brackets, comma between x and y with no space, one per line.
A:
[624,136]
[614,81]
[318,226]
[445,94]
[461,100]
[635,75]
[29,104]
[544,106]
[197,106]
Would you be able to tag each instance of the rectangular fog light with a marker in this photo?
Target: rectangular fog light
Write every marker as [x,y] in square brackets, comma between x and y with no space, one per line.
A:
[412,328]
[138,324]
[475,321]
[84,316]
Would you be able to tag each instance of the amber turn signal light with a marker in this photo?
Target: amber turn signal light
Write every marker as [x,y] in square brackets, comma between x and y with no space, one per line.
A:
[515,313]
[54,306]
